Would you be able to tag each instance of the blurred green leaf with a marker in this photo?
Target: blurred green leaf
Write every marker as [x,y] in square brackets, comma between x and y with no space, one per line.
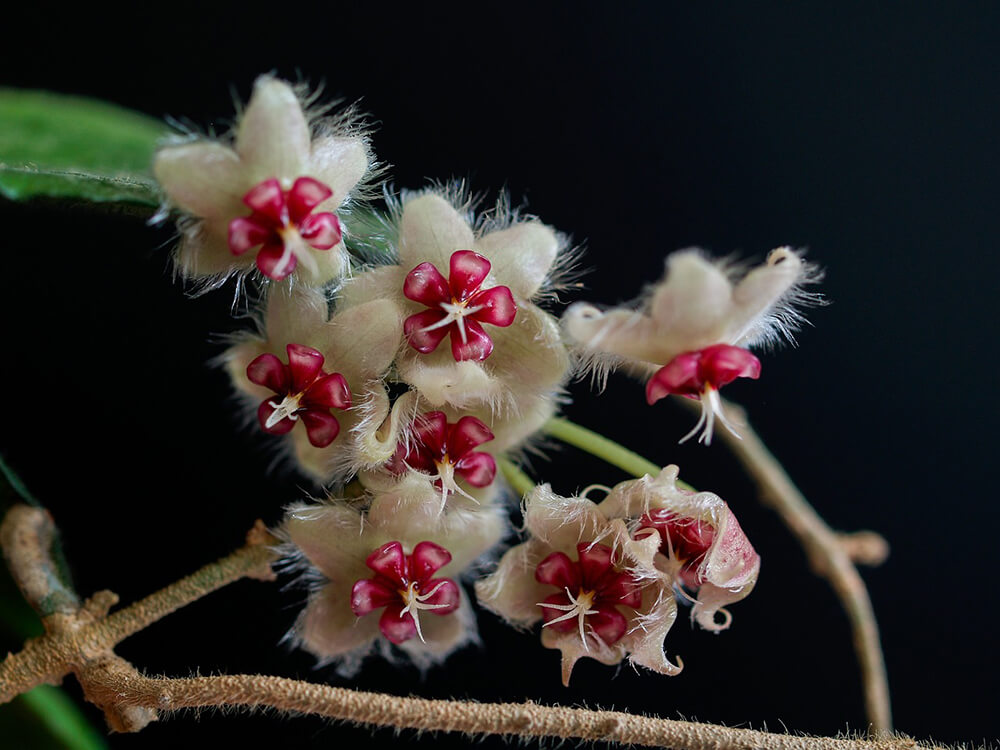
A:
[58,146]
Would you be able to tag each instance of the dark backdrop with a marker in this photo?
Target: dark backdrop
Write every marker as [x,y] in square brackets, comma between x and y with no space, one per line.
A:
[865,134]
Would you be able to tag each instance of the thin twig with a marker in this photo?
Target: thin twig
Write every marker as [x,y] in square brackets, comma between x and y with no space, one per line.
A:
[831,555]
[526,720]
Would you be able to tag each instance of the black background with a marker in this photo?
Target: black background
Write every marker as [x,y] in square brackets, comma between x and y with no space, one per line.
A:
[865,134]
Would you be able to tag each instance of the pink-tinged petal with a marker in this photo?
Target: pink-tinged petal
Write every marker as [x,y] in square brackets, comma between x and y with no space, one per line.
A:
[417,334]
[477,345]
[264,412]
[478,469]
[608,624]
[304,196]
[722,364]
[551,613]
[269,371]
[268,200]
[595,561]
[679,376]
[321,427]
[621,588]
[431,431]
[321,231]
[467,271]
[370,594]
[328,392]
[466,434]
[305,364]
[246,232]
[396,626]
[498,304]
[426,285]
[426,560]
[274,262]
[446,597]
[559,571]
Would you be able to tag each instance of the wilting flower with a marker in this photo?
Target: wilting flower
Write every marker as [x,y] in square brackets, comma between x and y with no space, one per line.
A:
[492,279]
[594,585]
[702,551]
[356,346]
[271,198]
[388,575]
[691,332]
[445,451]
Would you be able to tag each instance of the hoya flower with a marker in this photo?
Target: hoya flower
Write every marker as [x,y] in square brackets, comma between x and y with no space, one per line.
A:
[595,587]
[305,392]
[334,362]
[478,290]
[387,580]
[691,333]
[271,199]
[703,552]
[446,452]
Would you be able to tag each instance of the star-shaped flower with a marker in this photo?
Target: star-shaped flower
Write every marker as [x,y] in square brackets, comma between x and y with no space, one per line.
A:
[270,199]
[493,278]
[691,332]
[417,555]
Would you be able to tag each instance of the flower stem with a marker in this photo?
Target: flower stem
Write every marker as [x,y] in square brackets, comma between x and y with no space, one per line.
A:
[515,476]
[600,446]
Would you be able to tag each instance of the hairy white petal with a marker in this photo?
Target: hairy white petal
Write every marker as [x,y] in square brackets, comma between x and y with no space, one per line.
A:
[273,135]
[204,177]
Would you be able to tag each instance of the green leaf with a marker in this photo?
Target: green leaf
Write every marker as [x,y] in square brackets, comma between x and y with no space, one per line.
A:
[46,718]
[58,146]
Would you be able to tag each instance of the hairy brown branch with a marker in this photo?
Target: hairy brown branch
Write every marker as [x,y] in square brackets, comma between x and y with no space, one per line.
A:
[831,555]
[527,720]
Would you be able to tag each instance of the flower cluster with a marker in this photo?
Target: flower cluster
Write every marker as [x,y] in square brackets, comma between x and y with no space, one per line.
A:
[399,359]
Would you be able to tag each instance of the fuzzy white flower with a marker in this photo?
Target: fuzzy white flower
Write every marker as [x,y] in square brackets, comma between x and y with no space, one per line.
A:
[275,189]
[476,290]
[596,587]
[692,330]
[389,576]
[358,344]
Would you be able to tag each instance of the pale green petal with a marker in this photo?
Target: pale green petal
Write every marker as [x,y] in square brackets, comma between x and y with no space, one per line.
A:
[204,178]
[339,163]
[522,256]
[328,628]
[529,356]
[361,342]
[333,537]
[431,229]
[376,283]
[273,135]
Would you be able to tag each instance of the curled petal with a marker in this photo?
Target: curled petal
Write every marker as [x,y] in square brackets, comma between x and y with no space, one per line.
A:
[498,304]
[246,232]
[466,434]
[328,392]
[321,231]
[426,560]
[679,376]
[397,626]
[370,594]
[268,200]
[275,261]
[304,365]
[321,427]
[476,346]
[608,624]
[559,571]
[304,196]
[420,332]
[467,272]
[478,469]
[389,560]
[426,285]
[267,370]
[264,412]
